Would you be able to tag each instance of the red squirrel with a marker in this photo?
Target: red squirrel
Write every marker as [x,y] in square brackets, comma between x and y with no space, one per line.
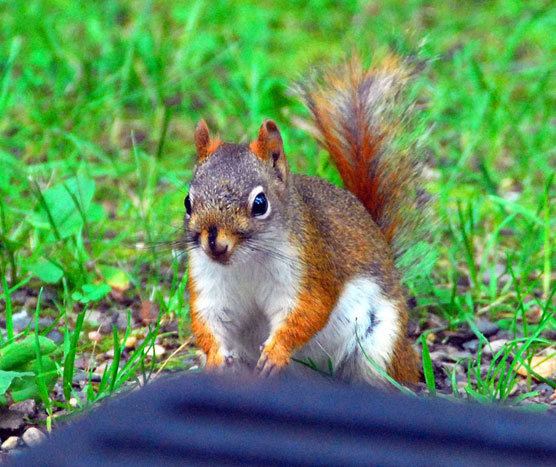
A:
[284,266]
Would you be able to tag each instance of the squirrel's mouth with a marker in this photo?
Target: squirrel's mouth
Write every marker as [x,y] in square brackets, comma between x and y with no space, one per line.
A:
[221,256]
[217,244]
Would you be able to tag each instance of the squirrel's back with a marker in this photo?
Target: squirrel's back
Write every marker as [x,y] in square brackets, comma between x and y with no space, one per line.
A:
[340,218]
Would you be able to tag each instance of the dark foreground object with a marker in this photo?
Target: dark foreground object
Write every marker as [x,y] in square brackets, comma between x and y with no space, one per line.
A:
[197,419]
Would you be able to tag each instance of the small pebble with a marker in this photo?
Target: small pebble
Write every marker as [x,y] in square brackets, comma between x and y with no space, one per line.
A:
[27,408]
[544,389]
[487,328]
[472,345]
[158,350]
[94,336]
[79,377]
[99,319]
[11,443]
[459,354]
[438,355]
[497,271]
[10,420]
[494,346]
[33,436]
[82,377]
[130,342]
[100,369]
[93,317]
[19,296]
[120,320]
[55,336]
[20,320]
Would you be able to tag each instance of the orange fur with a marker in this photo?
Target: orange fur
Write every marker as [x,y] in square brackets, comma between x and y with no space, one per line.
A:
[205,339]
[319,293]
[309,317]
[357,114]
[268,141]
[404,364]
[269,148]
[203,142]
[262,149]
[214,145]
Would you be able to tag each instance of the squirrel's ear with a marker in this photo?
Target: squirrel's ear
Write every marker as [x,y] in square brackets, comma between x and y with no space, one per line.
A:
[269,147]
[203,142]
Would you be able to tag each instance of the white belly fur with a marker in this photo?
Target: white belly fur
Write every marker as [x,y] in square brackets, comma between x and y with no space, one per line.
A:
[242,302]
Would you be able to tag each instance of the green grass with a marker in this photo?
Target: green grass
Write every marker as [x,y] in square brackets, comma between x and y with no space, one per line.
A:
[98,101]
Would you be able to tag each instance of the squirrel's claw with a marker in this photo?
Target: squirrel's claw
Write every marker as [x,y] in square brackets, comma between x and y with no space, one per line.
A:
[229,360]
[266,367]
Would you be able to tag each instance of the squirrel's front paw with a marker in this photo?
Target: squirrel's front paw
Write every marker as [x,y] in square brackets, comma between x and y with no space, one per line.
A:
[217,361]
[214,359]
[271,362]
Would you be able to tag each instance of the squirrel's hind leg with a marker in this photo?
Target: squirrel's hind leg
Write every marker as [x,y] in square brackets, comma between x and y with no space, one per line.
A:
[364,325]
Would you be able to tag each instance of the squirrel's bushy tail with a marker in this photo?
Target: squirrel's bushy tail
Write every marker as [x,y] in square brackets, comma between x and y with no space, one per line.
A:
[361,117]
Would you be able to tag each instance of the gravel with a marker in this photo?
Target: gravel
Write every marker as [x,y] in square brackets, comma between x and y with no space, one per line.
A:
[33,436]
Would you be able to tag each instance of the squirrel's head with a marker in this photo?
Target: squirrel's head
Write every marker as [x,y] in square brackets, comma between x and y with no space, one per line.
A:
[237,201]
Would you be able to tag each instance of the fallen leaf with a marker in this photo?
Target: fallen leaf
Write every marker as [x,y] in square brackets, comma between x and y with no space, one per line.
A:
[543,365]
[115,278]
[149,312]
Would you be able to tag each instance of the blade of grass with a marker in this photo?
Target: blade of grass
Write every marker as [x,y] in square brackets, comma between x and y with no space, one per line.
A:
[79,207]
[38,193]
[7,244]
[8,67]
[115,362]
[69,360]
[381,371]
[9,312]
[468,244]
[427,366]
[518,293]
[139,355]
[547,243]
[39,379]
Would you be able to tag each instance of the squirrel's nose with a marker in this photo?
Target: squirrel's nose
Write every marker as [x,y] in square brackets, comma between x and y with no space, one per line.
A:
[215,245]
[212,234]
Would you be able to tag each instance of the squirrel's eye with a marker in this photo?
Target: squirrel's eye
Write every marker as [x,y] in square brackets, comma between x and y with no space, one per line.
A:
[187,204]
[260,205]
